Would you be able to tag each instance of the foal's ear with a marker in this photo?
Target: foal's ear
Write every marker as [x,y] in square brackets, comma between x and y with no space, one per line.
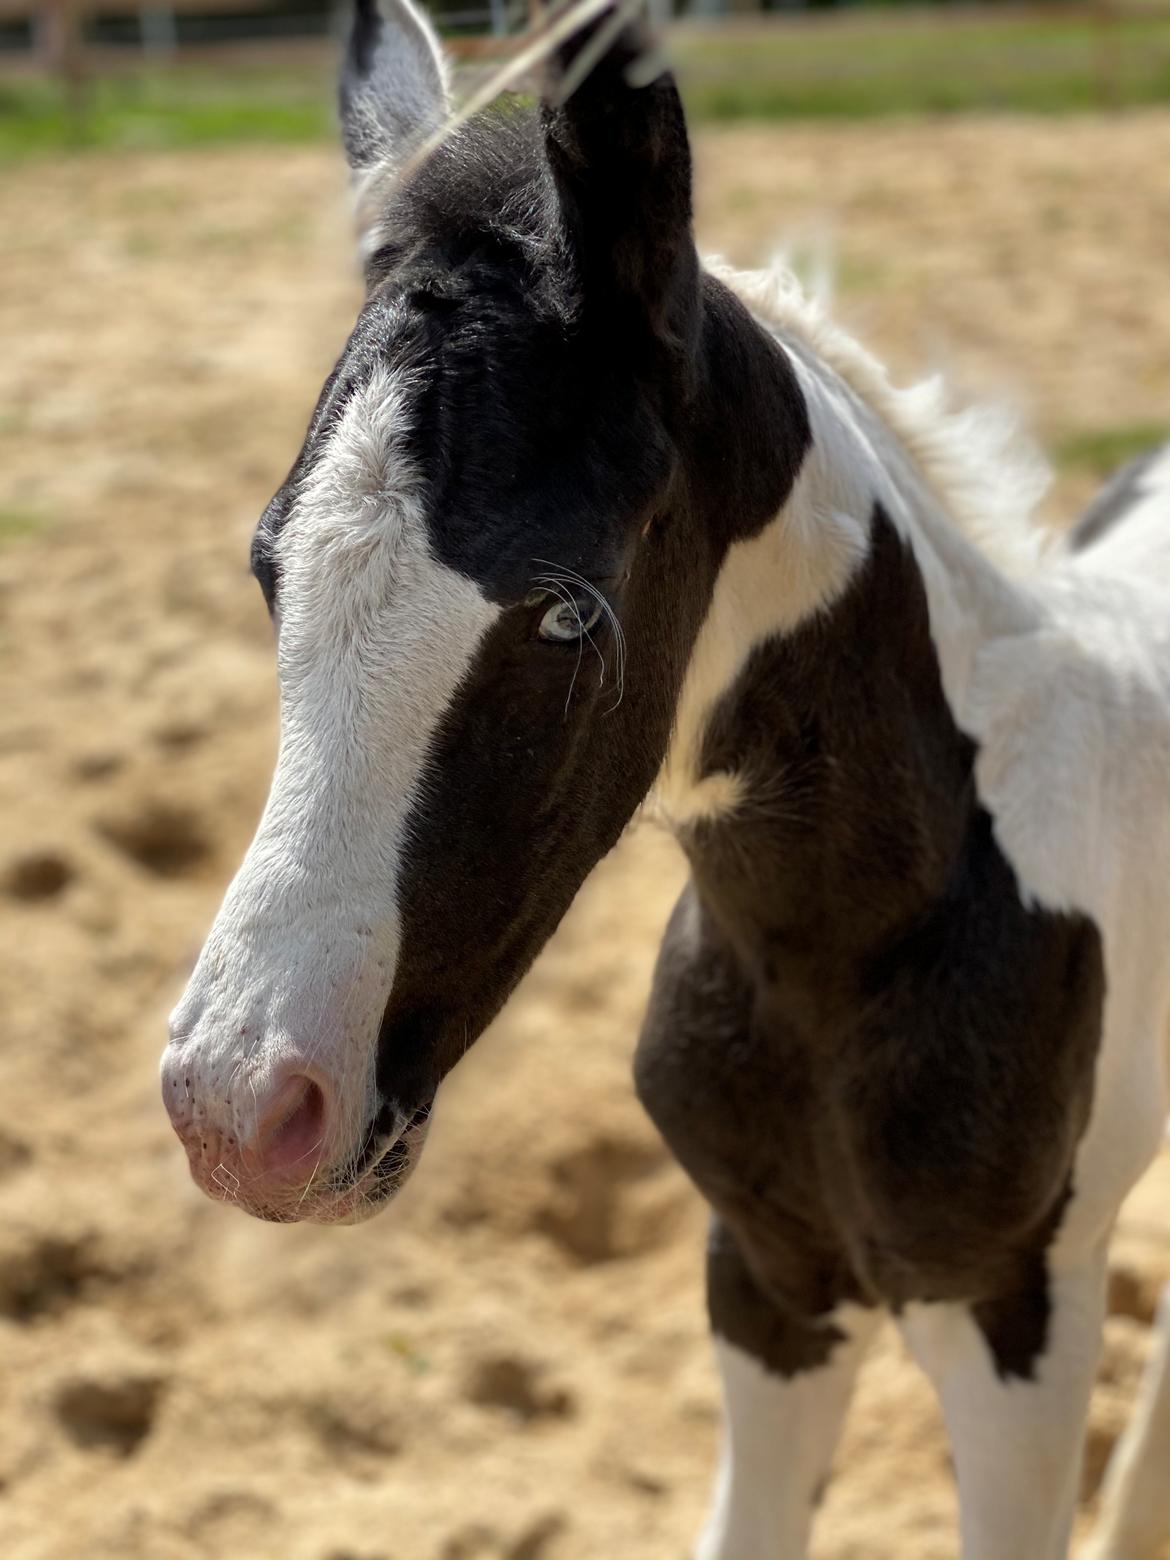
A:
[393,88]
[617,145]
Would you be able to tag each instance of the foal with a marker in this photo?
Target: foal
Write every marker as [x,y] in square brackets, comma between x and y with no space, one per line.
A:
[574,515]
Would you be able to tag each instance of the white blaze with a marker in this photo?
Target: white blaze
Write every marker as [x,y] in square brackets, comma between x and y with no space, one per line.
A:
[375,635]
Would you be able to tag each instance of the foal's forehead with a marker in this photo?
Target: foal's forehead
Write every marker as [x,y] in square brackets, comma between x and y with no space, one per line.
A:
[517,437]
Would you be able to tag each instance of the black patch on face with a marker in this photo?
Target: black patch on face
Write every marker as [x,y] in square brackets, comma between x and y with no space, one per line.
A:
[872,1057]
[538,766]
[625,419]
[1120,494]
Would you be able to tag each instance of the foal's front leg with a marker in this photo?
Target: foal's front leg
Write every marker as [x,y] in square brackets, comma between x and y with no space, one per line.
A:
[1015,1398]
[1135,1508]
[787,1381]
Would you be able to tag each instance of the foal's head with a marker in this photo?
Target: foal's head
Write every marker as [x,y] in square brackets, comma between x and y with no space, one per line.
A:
[486,571]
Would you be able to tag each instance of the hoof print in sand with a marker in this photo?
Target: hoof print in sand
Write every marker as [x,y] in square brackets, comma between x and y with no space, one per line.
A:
[535,1542]
[166,840]
[359,1437]
[45,1274]
[1133,1293]
[14,1154]
[611,1199]
[179,736]
[37,876]
[516,1386]
[98,764]
[479,1541]
[109,1412]
[356,1554]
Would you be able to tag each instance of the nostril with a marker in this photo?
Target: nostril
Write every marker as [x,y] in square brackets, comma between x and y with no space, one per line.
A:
[293,1128]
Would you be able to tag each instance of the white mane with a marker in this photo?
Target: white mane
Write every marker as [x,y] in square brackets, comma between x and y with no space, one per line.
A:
[987,476]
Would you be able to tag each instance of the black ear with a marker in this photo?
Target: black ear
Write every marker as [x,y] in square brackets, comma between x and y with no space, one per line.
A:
[617,145]
[393,88]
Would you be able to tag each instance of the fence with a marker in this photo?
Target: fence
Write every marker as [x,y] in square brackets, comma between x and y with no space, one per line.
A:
[65,43]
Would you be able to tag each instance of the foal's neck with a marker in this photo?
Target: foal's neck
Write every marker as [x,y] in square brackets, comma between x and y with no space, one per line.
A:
[821,779]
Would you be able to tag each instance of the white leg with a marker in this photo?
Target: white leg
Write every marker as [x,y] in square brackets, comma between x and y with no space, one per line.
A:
[778,1444]
[1135,1508]
[1017,1439]
[789,1356]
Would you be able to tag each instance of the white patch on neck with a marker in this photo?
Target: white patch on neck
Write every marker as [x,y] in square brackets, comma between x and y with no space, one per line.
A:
[800,563]
[958,487]
[375,636]
[981,470]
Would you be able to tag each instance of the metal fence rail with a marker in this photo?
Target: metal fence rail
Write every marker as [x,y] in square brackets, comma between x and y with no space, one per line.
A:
[72,38]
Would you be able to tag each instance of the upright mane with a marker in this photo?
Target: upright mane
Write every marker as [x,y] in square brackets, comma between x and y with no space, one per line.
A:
[988,477]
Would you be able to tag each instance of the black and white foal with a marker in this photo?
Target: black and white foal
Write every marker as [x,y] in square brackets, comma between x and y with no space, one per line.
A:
[574,520]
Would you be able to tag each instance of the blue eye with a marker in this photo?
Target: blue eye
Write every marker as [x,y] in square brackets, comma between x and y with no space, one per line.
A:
[570,618]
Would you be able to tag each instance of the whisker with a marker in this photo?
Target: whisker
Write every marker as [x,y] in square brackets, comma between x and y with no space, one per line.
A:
[313,1176]
[228,1183]
[563,593]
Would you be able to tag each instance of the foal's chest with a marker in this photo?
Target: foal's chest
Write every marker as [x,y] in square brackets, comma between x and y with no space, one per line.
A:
[890,1127]
[871,1053]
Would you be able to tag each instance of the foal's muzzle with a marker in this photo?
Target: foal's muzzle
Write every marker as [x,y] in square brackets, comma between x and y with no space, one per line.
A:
[280,1146]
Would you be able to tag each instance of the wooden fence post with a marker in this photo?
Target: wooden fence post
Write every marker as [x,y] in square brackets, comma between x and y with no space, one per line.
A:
[1108,51]
[62,39]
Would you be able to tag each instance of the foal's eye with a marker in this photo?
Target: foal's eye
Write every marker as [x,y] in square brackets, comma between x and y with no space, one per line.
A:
[570,618]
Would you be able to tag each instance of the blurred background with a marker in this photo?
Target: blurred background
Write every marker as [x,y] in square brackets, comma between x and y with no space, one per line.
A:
[513,1363]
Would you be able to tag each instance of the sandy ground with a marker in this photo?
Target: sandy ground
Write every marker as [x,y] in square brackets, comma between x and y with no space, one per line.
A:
[513,1363]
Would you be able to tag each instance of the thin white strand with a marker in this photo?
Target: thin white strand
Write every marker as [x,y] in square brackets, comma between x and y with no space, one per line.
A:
[564,595]
[595,50]
[552,583]
[570,576]
[508,77]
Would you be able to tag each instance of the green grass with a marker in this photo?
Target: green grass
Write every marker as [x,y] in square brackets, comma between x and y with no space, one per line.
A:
[863,67]
[16,524]
[188,106]
[1103,450]
[853,65]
